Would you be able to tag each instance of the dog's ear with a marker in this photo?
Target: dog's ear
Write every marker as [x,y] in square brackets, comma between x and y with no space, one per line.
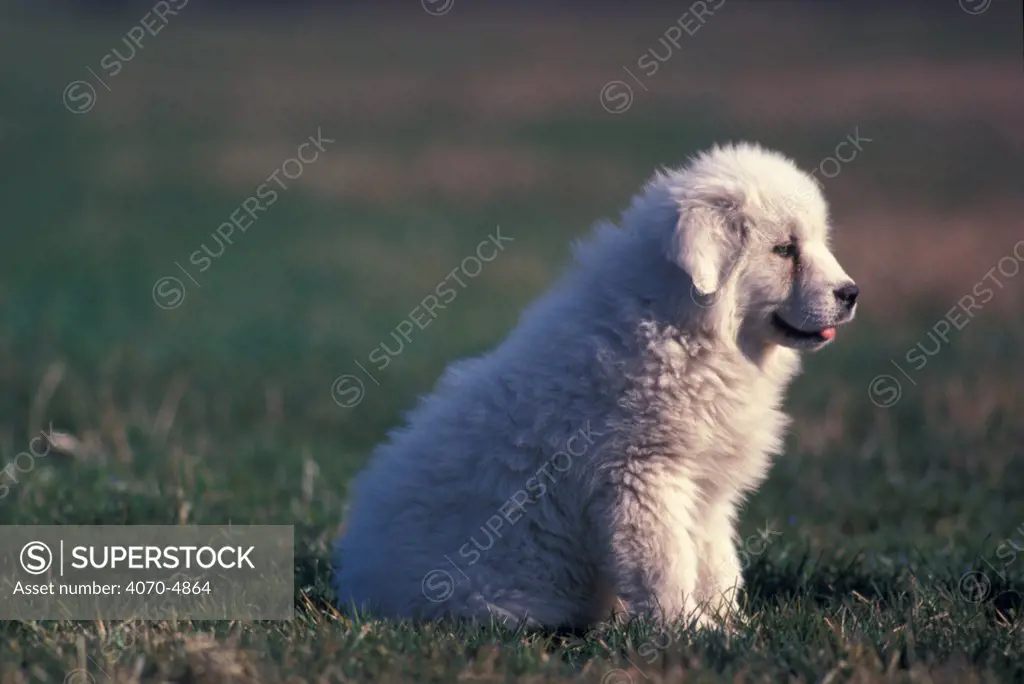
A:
[706,242]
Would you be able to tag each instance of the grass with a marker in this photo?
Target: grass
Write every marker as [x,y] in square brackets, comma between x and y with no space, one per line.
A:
[895,530]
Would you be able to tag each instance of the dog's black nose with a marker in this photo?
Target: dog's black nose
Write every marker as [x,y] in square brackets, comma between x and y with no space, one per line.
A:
[847,294]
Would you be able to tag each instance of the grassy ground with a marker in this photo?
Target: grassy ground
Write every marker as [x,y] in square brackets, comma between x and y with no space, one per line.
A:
[896,511]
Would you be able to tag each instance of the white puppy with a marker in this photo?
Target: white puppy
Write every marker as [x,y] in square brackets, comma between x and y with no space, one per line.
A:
[596,459]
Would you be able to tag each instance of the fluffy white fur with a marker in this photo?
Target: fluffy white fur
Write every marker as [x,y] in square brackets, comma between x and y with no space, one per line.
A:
[596,459]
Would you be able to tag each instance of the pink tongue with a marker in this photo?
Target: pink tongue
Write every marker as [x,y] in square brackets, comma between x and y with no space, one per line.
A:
[828,333]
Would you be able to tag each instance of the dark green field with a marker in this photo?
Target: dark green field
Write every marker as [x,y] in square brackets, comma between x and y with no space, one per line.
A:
[897,512]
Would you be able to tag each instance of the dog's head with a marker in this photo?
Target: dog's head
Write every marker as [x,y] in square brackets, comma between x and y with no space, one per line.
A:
[752,234]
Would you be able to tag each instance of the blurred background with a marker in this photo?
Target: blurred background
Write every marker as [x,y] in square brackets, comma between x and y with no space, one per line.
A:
[197,377]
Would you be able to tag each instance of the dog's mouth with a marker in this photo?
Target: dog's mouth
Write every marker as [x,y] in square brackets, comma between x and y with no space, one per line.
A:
[797,335]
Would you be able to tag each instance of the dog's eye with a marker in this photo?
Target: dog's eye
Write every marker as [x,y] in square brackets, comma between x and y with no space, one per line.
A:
[787,250]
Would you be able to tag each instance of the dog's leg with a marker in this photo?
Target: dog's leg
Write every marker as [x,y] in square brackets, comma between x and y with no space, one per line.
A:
[653,558]
[720,576]
[515,609]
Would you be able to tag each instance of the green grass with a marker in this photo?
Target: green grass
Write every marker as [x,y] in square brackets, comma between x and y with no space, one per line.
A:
[212,412]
